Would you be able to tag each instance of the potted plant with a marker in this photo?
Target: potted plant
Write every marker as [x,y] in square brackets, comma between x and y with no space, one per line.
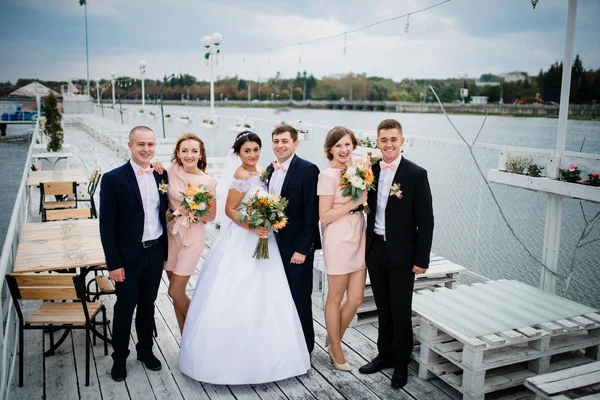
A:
[592,180]
[53,127]
[571,174]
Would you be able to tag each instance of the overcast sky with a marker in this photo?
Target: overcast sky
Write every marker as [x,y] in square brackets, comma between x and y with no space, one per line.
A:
[45,39]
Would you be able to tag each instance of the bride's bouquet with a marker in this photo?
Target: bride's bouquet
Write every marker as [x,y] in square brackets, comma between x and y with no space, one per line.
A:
[264,210]
[356,179]
[196,203]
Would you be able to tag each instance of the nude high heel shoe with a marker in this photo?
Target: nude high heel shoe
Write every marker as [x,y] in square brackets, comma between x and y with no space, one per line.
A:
[342,367]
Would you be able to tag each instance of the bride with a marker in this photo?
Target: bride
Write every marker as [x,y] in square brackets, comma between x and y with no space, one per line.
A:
[242,326]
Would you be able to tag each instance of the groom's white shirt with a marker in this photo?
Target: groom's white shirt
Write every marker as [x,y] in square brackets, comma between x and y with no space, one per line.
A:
[278,176]
[386,178]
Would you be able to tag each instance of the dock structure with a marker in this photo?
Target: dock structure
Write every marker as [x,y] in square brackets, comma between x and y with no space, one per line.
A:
[62,375]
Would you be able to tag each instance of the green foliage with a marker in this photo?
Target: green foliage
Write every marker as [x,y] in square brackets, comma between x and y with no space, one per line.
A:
[517,164]
[53,128]
[534,170]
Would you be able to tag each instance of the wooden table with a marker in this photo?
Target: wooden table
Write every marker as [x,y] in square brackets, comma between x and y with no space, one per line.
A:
[53,246]
[582,382]
[57,175]
[488,337]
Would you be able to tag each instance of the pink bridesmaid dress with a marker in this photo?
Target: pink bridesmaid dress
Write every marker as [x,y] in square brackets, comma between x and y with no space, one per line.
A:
[343,240]
[185,247]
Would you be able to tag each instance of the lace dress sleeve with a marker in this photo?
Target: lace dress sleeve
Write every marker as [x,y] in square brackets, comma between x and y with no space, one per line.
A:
[240,185]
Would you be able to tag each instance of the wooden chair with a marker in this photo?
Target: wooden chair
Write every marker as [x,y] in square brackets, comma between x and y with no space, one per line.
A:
[55,316]
[57,189]
[87,194]
[36,167]
[69,213]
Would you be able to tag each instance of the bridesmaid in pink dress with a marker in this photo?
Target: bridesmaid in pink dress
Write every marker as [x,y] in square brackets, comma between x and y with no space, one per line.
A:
[186,246]
[344,238]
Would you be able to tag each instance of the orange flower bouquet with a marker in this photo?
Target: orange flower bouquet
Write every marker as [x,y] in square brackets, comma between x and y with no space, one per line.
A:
[264,210]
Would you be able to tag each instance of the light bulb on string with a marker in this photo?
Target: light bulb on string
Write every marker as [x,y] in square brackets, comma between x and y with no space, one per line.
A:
[407,23]
[244,57]
[300,57]
[344,44]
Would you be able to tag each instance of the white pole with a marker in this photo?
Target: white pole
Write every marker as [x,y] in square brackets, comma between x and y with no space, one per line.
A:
[98,92]
[554,205]
[212,84]
[143,93]
[112,81]
[565,89]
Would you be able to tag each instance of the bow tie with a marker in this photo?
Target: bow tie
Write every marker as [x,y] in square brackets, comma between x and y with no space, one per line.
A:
[279,166]
[148,170]
[383,165]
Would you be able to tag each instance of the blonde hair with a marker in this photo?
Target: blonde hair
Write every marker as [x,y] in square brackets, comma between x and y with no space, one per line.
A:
[191,136]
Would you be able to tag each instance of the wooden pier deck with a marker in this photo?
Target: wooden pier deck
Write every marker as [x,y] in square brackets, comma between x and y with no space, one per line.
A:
[62,376]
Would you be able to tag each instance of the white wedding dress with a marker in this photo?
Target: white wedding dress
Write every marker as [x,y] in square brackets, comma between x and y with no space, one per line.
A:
[242,326]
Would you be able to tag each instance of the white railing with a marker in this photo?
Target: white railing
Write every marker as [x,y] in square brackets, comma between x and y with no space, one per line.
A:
[8,322]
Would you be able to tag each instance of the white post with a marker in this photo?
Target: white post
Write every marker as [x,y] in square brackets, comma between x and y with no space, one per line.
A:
[212,83]
[112,81]
[142,64]
[554,205]
[98,91]
[563,113]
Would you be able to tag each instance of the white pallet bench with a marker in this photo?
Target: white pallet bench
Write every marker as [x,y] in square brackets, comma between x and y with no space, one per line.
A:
[441,273]
[581,382]
[460,344]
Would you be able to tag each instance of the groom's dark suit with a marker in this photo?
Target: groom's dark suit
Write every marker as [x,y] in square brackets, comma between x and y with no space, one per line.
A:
[391,257]
[121,230]
[301,235]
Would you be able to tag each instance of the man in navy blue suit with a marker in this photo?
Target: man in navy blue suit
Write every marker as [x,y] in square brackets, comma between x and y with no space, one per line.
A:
[134,237]
[296,179]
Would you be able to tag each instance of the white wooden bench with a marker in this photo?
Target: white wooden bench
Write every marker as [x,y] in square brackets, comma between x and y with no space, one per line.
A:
[493,336]
[581,382]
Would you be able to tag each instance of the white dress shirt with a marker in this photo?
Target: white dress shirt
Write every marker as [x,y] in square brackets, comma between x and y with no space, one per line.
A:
[278,176]
[151,203]
[384,184]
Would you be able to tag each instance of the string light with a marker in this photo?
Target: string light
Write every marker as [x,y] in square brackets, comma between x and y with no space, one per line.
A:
[407,23]
[534,3]
[344,44]
[300,58]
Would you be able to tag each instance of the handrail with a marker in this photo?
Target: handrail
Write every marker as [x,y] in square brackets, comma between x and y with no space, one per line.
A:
[8,341]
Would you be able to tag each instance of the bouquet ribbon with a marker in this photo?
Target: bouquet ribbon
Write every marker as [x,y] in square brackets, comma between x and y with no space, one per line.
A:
[182,221]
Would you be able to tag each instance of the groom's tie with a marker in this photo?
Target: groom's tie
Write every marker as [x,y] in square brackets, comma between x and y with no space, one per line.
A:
[148,170]
[383,165]
[279,166]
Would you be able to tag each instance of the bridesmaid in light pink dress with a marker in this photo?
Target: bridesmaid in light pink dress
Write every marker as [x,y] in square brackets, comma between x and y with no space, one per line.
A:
[186,246]
[344,237]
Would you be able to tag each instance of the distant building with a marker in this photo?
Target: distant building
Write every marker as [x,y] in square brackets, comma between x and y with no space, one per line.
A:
[479,99]
[515,76]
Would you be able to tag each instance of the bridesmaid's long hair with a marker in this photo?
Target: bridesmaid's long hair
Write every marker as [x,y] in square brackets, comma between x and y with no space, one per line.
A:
[191,136]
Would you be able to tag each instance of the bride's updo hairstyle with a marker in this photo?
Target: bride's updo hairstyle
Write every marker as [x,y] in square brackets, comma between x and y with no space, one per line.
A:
[243,137]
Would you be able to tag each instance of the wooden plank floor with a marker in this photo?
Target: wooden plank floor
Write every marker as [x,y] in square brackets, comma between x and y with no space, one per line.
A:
[62,376]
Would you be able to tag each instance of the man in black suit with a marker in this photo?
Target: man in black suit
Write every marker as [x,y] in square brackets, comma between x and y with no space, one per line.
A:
[134,237]
[296,179]
[399,236]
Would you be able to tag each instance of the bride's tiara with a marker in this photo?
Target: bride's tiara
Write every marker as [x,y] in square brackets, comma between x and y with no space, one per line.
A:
[241,136]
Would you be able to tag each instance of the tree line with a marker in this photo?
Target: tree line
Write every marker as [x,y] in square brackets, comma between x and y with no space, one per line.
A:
[545,87]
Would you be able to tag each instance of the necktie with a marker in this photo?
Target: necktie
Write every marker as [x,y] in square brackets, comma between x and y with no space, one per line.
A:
[148,170]
[279,166]
[383,165]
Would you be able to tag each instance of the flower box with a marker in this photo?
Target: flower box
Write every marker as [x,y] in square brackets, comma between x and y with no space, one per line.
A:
[184,120]
[240,128]
[544,184]
[208,125]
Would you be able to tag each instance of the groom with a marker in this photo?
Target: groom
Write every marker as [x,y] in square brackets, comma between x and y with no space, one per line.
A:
[296,180]
[399,235]
[134,237]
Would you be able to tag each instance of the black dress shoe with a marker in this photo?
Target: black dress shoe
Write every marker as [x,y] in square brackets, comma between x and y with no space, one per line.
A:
[399,378]
[118,371]
[376,365]
[150,361]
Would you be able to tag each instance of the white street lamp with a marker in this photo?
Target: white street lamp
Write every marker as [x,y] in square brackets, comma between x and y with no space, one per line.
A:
[113,75]
[142,64]
[98,91]
[212,47]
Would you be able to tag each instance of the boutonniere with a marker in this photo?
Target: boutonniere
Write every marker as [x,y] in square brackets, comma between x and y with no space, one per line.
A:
[396,191]
[265,176]
[163,186]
